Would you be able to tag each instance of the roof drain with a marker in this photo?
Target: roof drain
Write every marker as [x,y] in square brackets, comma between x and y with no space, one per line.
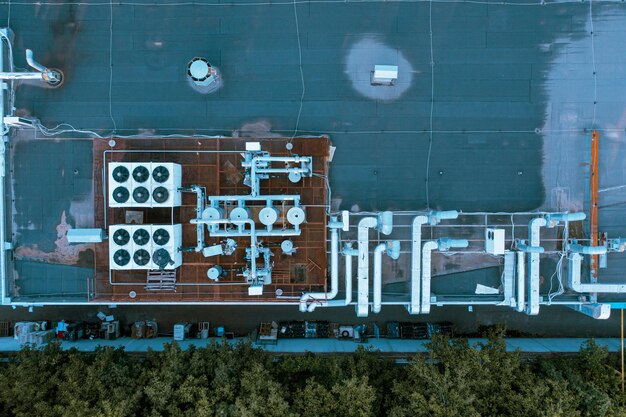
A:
[442,244]
[392,249]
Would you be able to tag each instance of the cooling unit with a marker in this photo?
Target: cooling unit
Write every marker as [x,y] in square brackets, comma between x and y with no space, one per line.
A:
[149,184]
[145,246]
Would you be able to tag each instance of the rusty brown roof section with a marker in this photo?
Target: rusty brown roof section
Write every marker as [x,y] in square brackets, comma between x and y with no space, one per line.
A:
[221,174]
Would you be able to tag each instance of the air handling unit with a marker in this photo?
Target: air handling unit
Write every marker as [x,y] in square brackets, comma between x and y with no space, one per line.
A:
[147,184]
[148,247]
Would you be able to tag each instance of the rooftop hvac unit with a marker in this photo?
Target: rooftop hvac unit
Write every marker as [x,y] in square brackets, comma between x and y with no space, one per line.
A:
[494,241]
[149,184]
[146,246]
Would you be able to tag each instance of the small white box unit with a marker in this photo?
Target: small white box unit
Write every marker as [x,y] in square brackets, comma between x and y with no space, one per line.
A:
[494,241]
[384,75]
[145,246]
[181,331]
[146,184]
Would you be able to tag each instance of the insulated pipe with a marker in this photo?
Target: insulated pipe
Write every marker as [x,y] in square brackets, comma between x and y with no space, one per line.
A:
[30,59]
[565,217]
[313,297]
[530,249]
[393,250]
[378,258]
[435,217]
[426,274]
[587,250]
[4,140]
[521,281]
[349,253]
[418,222]
[254,181]
[534,239]
[362,307]
[574,272]
[253,244]
[442,244]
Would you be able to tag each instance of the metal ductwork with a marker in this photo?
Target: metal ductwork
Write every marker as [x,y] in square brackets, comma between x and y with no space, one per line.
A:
[393,250]
[442,244]
[416,254]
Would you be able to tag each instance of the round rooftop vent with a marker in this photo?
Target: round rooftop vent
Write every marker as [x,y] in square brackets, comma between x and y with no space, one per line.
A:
[141,174]
[141,194]
[141,237]
[120,195]
[160,174]
[121,174]
[199,69]
[160,195]
[121,237]
[121,257]
[161,237]
[141,257]
[162,258]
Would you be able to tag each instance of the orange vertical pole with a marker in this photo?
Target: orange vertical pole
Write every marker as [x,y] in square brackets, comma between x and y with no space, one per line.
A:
[593,217]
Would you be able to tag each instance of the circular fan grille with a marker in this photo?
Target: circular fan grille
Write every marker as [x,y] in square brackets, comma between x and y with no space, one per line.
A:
[141,236]
[160,194]
[161,237]
[121,257]
[141,194]
[121,237]
[120,195]
[161,257]
[160,174]
[141,257]
[121,174]
[140,174]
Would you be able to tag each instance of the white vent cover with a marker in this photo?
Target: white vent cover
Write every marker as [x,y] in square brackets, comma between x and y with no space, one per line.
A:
[149,184]
[494,241]
[145,246]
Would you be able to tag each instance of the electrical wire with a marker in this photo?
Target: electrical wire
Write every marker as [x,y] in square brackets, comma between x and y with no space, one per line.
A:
[111,73]
[593,63]
[432,103]
[295,13]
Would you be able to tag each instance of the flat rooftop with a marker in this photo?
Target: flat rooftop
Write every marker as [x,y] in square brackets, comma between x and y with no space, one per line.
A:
[492,110]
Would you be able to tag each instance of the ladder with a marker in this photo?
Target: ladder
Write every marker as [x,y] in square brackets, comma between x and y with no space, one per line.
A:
[161,280]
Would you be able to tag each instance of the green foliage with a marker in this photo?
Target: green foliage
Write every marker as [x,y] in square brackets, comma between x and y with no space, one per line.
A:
[452,379]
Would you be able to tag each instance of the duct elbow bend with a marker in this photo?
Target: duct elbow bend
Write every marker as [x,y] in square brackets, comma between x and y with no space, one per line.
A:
[588,250]
[385,222]
[393,249]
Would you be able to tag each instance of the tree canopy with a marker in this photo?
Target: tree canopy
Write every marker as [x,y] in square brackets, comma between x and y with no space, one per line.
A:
[452,379]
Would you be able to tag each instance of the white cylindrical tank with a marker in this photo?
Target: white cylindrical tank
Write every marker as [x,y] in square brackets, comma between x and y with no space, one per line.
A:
[268,216]
[239,213]
[296,216]
[214,272]
[212,213]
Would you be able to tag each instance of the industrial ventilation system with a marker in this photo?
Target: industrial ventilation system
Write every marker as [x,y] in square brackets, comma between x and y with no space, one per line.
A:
[148,184]
[146,246]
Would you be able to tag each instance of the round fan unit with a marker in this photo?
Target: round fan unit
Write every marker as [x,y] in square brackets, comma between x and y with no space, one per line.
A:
[141,174]
[141,237]
[141,194]
[141,257]
[121,237]
[162,258]
[160,174]
[160,195]
[120,174]
[120,195]
[121,257]
[161,237]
